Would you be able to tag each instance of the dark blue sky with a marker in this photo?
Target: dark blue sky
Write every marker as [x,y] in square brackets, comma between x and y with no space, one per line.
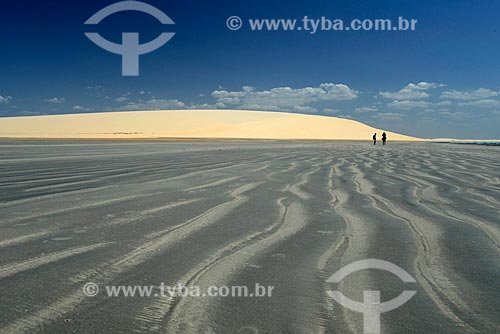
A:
[441,80]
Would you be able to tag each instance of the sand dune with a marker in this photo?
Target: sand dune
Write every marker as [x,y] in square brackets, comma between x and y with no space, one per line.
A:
[224,124]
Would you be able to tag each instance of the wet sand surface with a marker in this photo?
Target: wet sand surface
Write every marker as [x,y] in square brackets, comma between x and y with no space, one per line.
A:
[282,214]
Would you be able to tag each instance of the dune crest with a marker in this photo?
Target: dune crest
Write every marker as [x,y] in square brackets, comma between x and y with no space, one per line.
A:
[223,124]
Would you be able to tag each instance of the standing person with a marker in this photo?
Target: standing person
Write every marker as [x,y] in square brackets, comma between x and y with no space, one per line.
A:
[384,138]
[375,138]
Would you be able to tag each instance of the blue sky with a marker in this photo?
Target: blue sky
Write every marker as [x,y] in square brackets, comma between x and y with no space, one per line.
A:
[441,80]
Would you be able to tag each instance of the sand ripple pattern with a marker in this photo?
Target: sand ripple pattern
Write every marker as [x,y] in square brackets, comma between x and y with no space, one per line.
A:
[286,214]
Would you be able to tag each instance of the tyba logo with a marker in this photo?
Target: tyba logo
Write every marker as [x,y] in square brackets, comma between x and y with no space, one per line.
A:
[130,49]
[371,307]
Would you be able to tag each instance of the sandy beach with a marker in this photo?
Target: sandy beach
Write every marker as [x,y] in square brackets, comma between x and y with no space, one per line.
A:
[279,214]
[273,167]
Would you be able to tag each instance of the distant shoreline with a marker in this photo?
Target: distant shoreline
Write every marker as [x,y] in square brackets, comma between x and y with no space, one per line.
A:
[485,142]
[478,143]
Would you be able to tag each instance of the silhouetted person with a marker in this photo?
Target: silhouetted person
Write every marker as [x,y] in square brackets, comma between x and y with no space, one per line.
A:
[384,138]
[375,139]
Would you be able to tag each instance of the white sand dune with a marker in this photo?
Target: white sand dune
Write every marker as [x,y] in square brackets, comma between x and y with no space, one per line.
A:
[224,124]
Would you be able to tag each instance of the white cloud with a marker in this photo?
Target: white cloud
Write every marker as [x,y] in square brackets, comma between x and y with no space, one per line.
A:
[407,105]
[80,108]
[307,100]
[5,99]
[411,91]
[389,116]
[344,116]
[365,109]
[425,85]
[485,103]
[152,104]
[261,107]
[96,87]
[480,93]
[55,100]
[207,106]
[283,98]
[305,109]
[454,114]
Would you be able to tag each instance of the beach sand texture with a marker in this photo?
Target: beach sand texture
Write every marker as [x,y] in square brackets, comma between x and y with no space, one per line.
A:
[286,215]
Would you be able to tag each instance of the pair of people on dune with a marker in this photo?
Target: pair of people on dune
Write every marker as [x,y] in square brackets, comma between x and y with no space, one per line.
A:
[384,138]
